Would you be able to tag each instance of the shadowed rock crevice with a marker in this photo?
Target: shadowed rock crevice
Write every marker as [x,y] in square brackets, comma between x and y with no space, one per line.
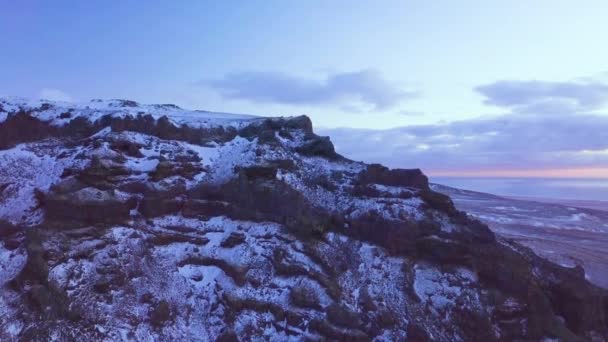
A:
[43,297]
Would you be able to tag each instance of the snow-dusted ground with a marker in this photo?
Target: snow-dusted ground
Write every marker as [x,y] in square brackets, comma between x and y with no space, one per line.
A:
[160,236]
[194,271]
[96,109]
[565,234]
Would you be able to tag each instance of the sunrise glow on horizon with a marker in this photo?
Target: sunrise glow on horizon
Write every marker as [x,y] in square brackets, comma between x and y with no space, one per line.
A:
[591,173]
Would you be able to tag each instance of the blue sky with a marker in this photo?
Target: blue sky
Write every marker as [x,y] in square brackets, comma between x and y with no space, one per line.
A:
[354,65]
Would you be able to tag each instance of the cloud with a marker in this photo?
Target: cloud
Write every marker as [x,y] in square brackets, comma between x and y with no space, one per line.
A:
[410,113]
[546,97]
[55,95]
[506,142]
[365,87]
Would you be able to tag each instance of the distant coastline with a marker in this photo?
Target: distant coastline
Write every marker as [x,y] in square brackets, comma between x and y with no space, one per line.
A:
[589,204]
[583,192]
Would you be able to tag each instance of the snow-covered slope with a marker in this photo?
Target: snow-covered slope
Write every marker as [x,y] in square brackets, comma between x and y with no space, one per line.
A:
[121,221]
[565,234]
[55,112]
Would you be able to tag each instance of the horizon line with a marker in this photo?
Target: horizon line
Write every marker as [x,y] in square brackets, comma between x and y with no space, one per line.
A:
[563,173]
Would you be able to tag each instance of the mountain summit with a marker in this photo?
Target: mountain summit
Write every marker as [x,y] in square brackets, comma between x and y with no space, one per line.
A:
[122,221]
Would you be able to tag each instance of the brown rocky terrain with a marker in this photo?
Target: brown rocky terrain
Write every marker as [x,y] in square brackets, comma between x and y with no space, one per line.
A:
[123,221]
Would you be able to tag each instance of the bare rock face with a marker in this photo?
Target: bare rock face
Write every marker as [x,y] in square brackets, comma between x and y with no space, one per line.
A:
[89,205]
[150,222]
[378,174]
[21,127]
[259,171]
[318,146]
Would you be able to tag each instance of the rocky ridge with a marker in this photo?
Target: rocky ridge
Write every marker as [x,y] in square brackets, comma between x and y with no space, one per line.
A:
[122,221]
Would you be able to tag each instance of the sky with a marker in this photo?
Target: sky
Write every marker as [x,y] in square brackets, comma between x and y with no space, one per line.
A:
[478,88]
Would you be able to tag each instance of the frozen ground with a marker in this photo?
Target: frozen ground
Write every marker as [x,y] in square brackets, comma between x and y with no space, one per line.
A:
[567,232]
[122,221]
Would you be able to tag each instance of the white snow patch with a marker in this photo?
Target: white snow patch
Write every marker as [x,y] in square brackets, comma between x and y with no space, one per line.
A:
[26,171]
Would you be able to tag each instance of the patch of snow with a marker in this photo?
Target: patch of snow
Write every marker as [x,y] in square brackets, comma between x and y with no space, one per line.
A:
[96,109]
[26,171]
[442,289]
[11,263]
[141,164]
[208,155]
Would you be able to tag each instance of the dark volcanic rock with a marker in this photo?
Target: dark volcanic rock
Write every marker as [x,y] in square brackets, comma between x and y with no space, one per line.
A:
[127,147]
[318,147]
[258,171]
[7,229]
[267,129]
[262,199]
[248,238]
[160,314]
[102,173]
[21,127]
[378,174]
[158,201]
[227,336]
[304,297]
[285,164]
[200,207]
[152,206]
[88,205]
[438,201]
[342,316]
[302,122]
[234,239]
[67,185]
[3,187]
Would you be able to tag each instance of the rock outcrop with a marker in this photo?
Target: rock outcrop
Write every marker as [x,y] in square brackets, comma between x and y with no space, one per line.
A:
[152,222]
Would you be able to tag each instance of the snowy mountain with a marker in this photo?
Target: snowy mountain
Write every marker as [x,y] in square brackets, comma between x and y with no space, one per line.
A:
[122,221]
